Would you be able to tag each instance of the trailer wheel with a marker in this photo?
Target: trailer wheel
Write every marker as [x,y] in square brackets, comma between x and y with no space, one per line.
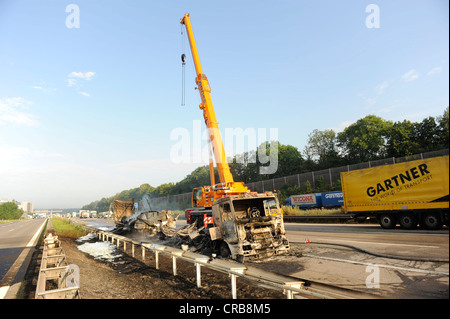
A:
[408,220]
[387,221]
[431,221]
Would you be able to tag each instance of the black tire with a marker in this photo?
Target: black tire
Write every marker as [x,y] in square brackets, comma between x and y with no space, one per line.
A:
[387,221]
[431,221]
[224,250]
[408,221]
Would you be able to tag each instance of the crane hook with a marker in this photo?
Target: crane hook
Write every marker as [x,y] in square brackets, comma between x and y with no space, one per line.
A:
[183,63]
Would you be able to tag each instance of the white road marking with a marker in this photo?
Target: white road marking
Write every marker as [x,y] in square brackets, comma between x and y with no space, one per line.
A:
[3,291]
[31,243]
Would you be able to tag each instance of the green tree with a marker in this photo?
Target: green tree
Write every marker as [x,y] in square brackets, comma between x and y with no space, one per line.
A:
[246,167]
[427,135]
[198,177]
[290,161]
[322,148]
[443,123]
[307,188]
[400,139]
[286,191]
[163,190]
[365,140]
[10,210]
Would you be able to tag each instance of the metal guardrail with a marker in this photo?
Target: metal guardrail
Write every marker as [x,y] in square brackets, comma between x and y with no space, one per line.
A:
[54,271]
[288,285]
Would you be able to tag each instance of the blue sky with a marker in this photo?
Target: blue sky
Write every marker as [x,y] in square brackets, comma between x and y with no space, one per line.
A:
[87,112]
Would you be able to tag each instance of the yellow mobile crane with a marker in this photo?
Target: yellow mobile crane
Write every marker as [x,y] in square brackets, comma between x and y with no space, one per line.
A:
[240,223]
[203,197]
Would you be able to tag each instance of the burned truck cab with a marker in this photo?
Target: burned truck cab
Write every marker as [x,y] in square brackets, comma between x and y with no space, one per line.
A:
[249,225]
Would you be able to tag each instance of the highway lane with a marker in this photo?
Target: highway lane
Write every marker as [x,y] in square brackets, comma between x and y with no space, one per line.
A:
[339,264]
[373,238]
[15,237]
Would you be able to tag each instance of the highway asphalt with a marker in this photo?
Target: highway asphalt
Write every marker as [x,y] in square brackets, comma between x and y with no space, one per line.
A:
[17,239]
[432,244]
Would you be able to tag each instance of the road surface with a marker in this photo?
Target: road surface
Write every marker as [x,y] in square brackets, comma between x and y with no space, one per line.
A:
[16,240]
[432,244]
[393,263]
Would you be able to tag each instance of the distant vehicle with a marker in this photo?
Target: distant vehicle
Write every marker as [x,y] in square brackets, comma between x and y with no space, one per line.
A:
[332,199]
[84,214]
[316,200]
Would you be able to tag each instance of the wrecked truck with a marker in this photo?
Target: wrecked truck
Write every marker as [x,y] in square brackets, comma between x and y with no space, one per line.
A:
[248,225]
[244,226]
[127,218]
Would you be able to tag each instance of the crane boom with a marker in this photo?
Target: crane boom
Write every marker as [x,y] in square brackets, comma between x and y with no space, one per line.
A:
[208,109]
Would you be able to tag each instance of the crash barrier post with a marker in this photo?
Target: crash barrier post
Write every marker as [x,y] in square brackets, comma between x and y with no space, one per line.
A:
[54,269]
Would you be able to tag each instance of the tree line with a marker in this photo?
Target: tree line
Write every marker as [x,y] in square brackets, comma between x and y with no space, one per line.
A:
[369,138]
[10,210]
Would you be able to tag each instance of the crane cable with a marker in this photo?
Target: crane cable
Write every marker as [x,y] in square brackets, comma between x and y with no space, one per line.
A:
[183,63]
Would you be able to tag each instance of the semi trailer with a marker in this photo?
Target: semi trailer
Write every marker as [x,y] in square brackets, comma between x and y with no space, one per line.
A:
[410,194]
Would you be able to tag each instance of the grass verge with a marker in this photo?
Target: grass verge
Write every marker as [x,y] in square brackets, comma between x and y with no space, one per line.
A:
[64,228]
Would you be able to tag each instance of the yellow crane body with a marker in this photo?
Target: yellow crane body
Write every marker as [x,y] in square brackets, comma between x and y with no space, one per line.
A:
[205,196]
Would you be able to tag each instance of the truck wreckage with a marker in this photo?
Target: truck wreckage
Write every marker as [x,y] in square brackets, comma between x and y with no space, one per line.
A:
[151,221]
[244,225]
[248,225]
